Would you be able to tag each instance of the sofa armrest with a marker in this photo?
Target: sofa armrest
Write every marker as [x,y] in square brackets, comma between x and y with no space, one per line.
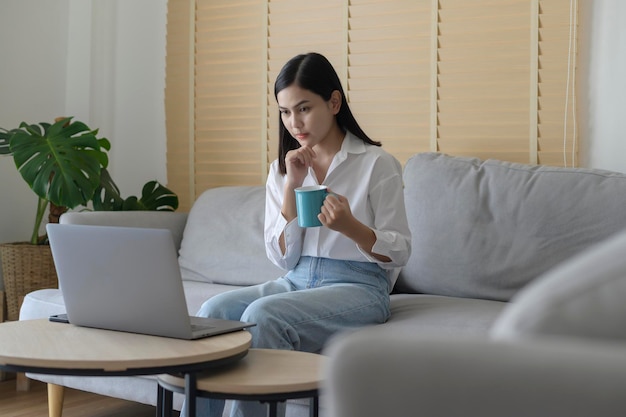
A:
[175,221]
[381,373]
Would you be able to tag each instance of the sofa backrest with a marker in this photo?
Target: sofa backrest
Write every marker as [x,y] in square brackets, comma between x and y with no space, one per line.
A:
[223,239]
[174,221]
[484,229]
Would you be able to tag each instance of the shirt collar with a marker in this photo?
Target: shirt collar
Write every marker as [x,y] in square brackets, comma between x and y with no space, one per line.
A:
[350,144]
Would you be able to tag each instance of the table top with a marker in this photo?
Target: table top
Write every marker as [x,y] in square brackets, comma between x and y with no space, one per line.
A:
[261,371]
[44,346]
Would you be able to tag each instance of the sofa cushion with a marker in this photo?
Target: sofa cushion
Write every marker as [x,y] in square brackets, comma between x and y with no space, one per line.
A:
[583,297]
[484,229]
[223,239]
[418,313]
[40,304]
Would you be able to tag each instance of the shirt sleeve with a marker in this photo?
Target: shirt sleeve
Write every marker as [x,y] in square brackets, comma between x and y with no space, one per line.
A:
[393,238]
[276,225]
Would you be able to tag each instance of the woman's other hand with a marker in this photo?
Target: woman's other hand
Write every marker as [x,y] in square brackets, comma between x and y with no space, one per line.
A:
[297,162]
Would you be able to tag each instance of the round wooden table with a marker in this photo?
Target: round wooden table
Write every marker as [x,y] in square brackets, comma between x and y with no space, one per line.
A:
[265,375]
[44,347]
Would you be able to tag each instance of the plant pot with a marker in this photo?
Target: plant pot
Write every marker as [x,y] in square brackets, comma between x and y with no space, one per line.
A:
[25,268]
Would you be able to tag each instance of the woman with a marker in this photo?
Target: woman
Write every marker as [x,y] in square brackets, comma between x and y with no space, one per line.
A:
[339,275]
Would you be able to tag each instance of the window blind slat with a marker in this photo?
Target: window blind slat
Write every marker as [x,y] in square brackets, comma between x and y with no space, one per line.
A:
[483,93]
[388,73]
[228,80]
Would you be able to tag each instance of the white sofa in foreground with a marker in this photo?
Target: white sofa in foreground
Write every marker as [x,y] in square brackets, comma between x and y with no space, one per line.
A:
[483,232]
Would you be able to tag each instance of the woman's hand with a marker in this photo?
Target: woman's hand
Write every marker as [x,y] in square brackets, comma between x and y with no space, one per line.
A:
[336,215]
[297,162]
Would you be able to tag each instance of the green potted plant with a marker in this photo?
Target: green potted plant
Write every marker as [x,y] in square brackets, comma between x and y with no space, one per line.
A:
[64,163]
[61,163]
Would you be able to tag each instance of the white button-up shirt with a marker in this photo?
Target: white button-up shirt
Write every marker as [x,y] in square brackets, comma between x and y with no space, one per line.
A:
[371,180]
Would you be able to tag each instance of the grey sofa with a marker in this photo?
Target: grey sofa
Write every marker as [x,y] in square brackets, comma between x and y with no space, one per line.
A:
[482,232]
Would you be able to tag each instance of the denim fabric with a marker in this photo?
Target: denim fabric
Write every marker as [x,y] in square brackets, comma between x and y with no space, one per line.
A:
[300,311]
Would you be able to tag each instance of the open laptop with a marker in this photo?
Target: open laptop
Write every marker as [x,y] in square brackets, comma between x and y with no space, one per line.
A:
[126,279]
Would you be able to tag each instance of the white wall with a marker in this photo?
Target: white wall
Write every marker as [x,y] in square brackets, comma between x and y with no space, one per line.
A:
[602,103]
[101,61]
[116,81]
[33,54]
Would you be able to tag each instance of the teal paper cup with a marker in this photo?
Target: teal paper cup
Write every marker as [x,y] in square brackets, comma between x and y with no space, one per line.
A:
[309,201]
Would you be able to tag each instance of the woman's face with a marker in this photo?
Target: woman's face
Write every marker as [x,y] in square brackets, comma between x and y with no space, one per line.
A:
[307,116]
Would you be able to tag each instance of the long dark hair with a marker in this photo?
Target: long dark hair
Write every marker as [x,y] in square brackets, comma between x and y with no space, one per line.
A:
[315,73]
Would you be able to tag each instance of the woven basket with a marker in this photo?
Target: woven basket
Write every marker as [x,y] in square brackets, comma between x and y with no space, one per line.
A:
[25,268]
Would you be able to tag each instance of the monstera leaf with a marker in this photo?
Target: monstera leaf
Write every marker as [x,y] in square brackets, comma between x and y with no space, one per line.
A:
[4,141]
[154,196]
[61,162]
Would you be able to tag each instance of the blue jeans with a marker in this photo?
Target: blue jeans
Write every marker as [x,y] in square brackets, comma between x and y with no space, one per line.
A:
[300,311]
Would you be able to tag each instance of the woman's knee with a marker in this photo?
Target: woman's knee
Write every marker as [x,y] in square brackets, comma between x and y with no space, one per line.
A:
[273,328]
[219,307]
[231,304]
[208,309]
[262,311]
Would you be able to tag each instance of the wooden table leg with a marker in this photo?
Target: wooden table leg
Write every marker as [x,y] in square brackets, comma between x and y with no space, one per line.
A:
[55,400]
[22,382]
